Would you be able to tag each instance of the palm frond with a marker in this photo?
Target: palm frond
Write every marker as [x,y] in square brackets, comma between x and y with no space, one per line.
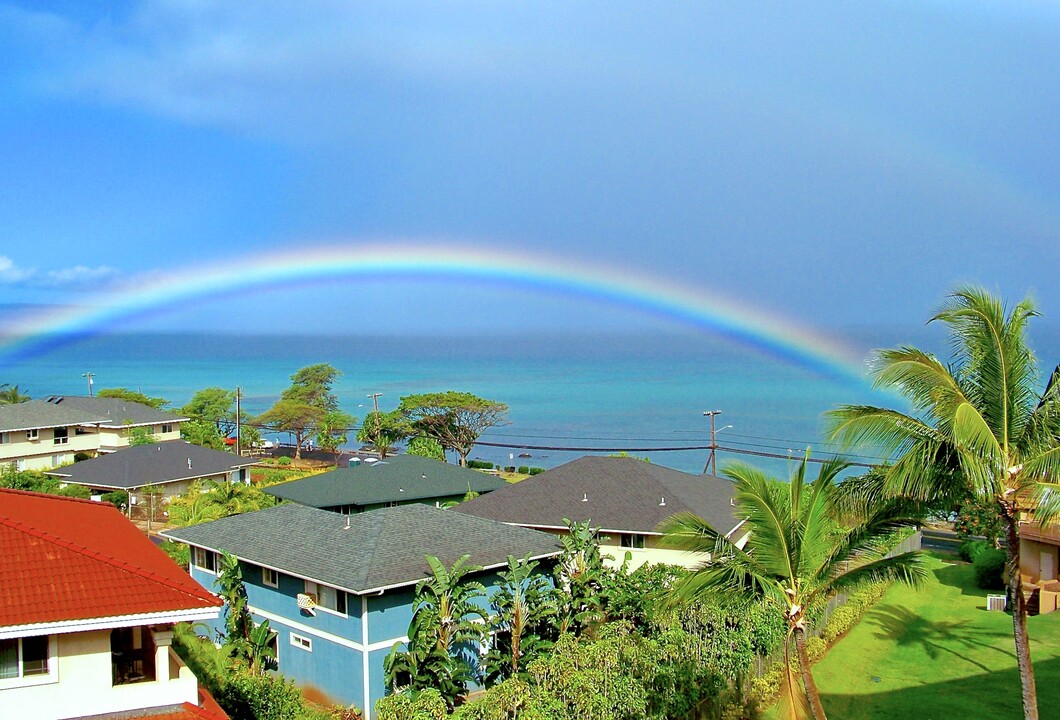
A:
[907,568]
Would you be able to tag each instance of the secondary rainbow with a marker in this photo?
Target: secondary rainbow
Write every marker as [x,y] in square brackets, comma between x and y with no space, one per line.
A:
[548,274]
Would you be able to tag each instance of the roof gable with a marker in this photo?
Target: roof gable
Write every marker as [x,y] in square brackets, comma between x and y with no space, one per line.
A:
[617,494]
[367,551]
[400,478]
[65,560]
[151,465]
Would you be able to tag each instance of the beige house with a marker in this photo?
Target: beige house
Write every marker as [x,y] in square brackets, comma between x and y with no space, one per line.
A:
[1039,560]
[623,498]
[86,622]
[44,434]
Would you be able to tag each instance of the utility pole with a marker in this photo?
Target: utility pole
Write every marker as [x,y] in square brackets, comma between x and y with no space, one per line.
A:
[89,376]
[239,424]
[712,461]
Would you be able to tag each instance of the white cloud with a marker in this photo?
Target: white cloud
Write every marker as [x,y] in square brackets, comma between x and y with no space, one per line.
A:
[73,278]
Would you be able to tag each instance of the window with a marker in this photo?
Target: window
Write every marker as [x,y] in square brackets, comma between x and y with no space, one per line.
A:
[33,434]
[167,428]
[4,439]
[632,541]
[302,642]
[205,560]
[24,657]
[328,598]
[270,577]
[61,436]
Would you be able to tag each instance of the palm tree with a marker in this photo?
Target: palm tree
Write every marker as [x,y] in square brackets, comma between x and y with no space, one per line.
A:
[978,426]
[11,395]
[795,559]
[446,621]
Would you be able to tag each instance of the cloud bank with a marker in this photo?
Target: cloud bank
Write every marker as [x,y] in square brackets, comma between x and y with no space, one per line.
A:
[78,277]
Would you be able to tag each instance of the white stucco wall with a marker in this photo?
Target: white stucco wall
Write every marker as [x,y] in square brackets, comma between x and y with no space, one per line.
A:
[81,684]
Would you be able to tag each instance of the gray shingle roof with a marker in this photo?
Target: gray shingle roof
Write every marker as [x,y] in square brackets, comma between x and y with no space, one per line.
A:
[37,414]
[151,465]
[615,494]
[381,548]
[115,412]
[400,478]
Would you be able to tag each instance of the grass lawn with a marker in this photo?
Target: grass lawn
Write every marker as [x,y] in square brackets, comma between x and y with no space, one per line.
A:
[937,654]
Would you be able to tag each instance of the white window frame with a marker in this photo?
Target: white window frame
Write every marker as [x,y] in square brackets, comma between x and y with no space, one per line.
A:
[167,428]
[58,439]
[33,434]
[314,589]
[302,642]
[632,541]
[23,680]
[195,556]
[266,573]
[5,438]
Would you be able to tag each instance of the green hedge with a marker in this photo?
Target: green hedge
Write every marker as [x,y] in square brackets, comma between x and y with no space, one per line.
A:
[970,549]
[480,464]
[989,567]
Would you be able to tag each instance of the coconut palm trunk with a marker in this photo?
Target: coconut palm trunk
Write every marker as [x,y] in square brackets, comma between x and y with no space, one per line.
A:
[812,693]
[1019,621]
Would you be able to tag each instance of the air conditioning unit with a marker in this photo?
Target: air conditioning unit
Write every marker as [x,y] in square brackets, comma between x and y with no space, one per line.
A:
[306,601]
[995,602]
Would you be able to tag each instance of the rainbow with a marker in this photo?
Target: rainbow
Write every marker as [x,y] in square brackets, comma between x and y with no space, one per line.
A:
[154,292]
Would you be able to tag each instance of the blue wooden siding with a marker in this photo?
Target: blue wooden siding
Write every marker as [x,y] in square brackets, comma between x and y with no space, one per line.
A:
[389,614]
[329,671]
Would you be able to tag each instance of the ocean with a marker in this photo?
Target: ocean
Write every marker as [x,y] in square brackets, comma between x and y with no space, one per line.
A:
[641,391]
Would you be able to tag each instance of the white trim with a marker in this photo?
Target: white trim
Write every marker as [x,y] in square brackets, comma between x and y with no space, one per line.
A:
[366,671]
[48,678]
[116,621]
[300,641]
[387,644]
[407,583]
[322,634]
[265,578]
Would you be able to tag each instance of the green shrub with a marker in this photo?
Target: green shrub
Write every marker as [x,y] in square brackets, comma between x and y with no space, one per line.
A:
[523,470]
[78,457]
[970,549]
[536,470]
[247,696]
[990,569]
[75,491]
[426,705]
[179,552]
[283,461]
[480,464]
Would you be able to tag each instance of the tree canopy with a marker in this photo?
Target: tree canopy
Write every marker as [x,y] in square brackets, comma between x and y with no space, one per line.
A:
[133,396]
[383,430]
[454,419]
[306,405]
[11,395]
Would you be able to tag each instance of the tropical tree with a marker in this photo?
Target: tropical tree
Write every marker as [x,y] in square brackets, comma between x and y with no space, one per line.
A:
[11,395]
[332,431]
[580,575]
[202,432]
[979,425]
[795,558]
[384,430]
[243,641]
[423,446]
[304,405]
[446,624]
[454,419]
[140,435]
[133,396]
[525,606]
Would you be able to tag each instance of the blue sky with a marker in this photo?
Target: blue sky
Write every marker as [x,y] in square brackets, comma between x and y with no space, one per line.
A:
[832,163]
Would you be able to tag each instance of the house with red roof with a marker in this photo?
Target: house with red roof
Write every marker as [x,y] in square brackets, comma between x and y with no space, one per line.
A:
[87,607]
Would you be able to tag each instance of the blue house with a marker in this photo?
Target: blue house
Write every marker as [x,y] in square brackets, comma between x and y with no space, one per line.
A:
[339,589]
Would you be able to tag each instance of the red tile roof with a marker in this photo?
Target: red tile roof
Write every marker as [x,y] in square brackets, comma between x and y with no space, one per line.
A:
[66,559]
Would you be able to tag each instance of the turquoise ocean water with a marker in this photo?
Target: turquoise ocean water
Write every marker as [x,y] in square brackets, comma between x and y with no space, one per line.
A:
[616,391]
